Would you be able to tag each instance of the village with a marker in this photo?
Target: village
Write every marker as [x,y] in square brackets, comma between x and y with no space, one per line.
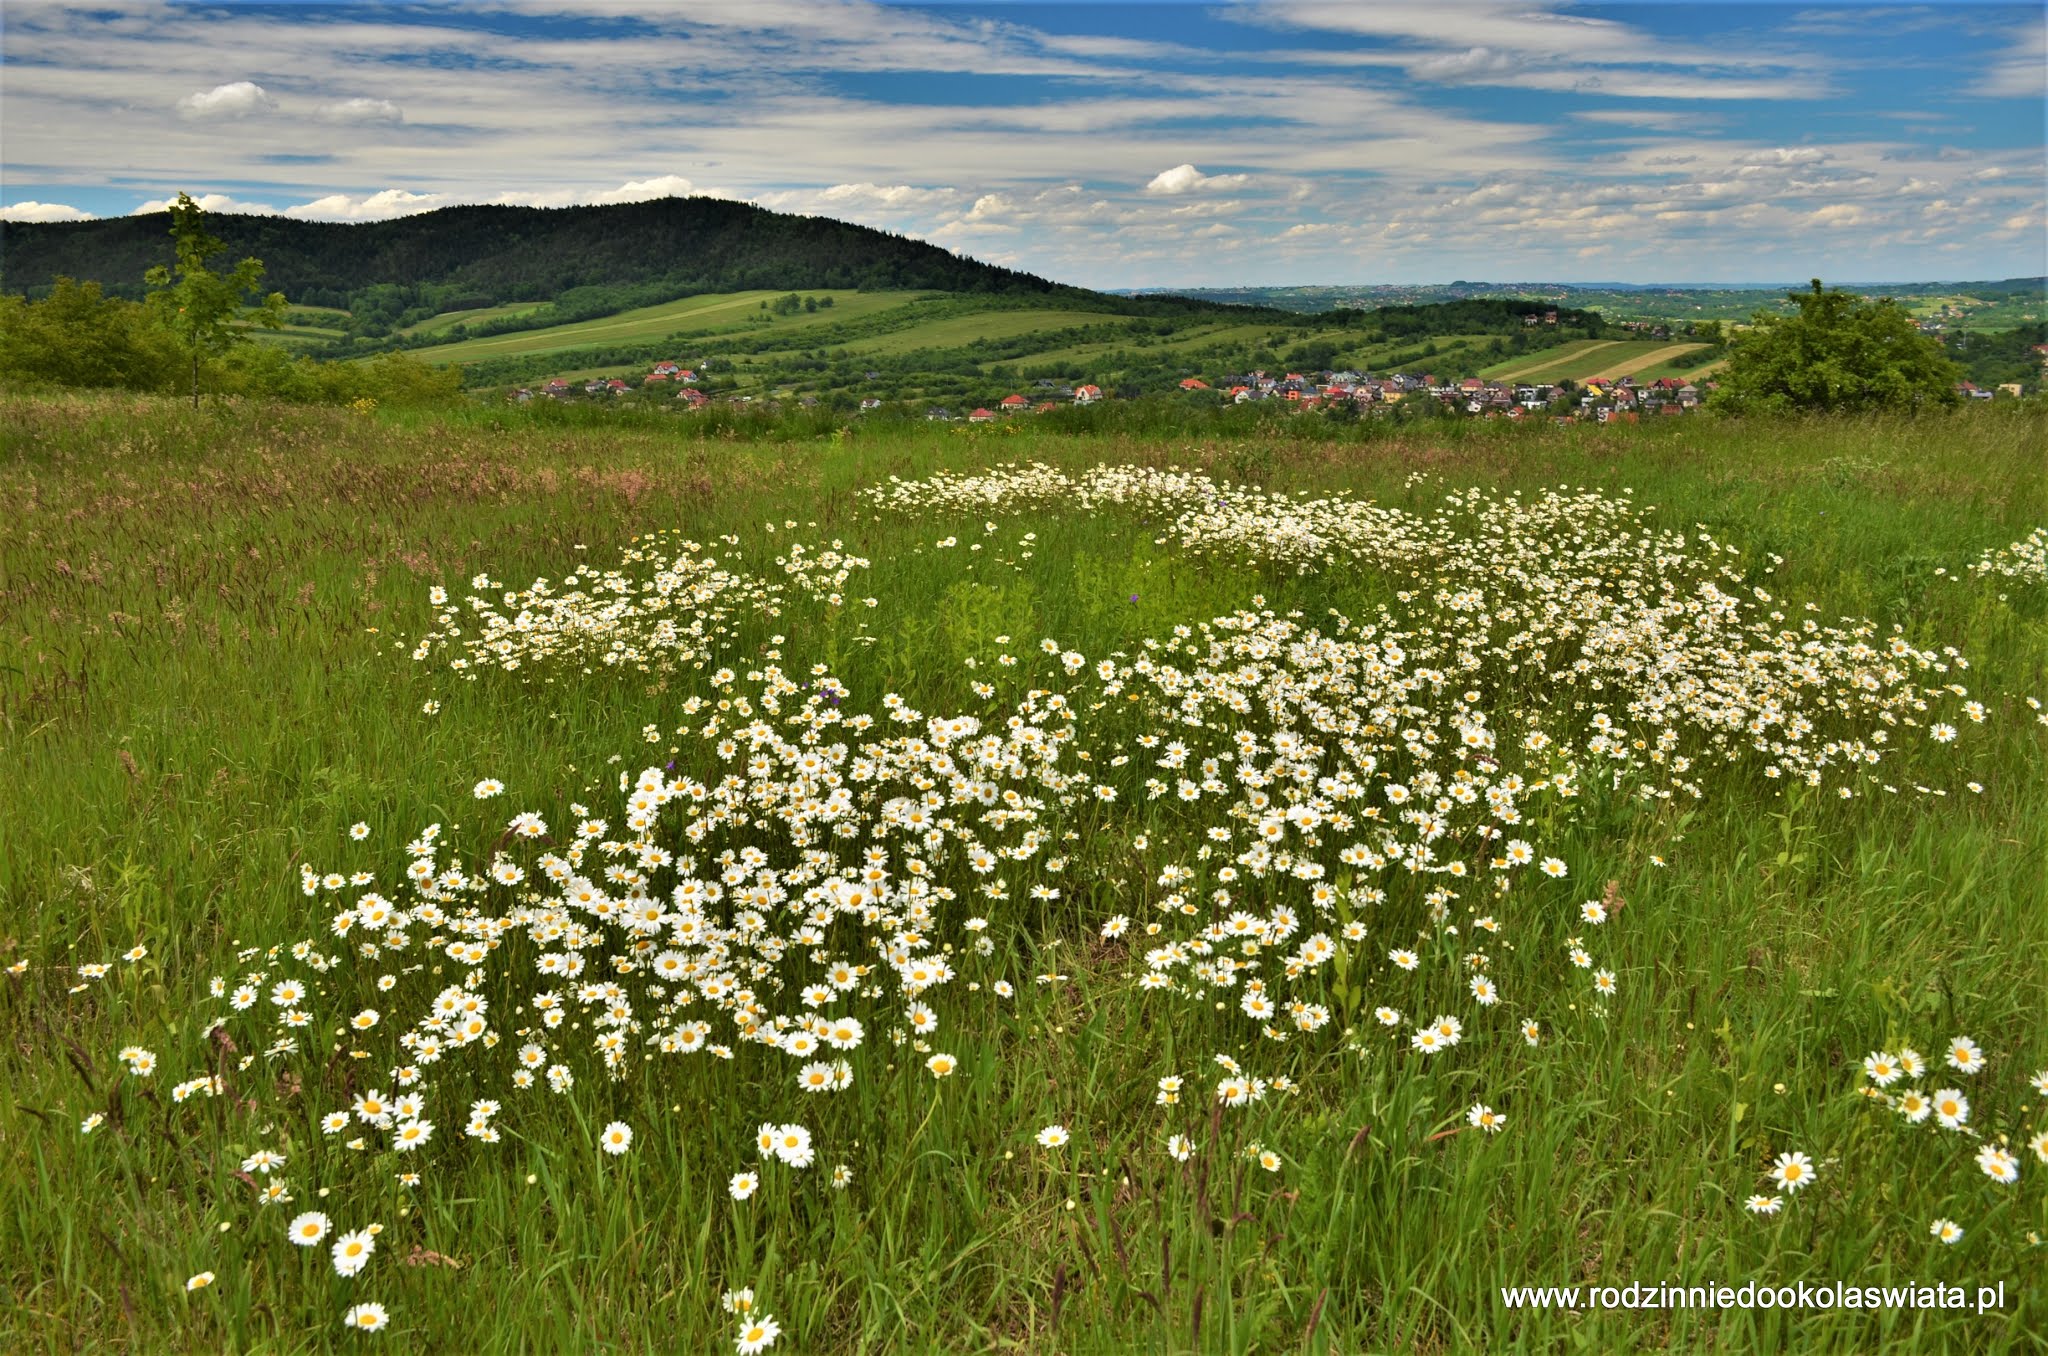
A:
[1597,399]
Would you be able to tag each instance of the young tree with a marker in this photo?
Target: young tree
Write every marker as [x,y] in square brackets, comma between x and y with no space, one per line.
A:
[1839,354]
[202,307]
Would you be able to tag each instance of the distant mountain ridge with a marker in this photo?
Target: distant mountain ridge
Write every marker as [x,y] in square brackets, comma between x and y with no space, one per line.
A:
[497,254]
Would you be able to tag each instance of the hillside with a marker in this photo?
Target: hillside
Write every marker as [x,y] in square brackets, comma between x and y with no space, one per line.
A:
[489,256]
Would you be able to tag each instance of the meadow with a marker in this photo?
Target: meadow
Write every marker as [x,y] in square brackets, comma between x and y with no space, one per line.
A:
[597,884]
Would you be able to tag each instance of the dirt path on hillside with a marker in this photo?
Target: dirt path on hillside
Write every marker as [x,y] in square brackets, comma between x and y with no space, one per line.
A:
[1669,353]
[1527,368]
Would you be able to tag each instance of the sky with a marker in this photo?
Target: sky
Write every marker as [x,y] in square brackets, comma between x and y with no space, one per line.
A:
[1265,142]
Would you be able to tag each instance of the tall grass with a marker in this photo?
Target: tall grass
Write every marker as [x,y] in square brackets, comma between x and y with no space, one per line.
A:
[204,684]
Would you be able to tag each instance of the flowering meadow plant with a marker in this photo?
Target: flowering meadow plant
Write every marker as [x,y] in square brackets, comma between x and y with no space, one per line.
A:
[1294,847]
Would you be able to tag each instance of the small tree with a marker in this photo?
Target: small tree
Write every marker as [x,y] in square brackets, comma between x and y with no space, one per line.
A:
[202,307]
[1839,354]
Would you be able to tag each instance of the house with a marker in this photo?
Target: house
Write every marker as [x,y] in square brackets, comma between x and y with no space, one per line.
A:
[1087,395]
[981,416]
[1010,404]
[615,386]
[1193,384]
[871,403]
[653,377]
[938,414]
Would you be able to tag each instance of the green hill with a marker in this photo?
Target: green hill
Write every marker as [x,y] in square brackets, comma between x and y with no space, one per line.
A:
[490,256]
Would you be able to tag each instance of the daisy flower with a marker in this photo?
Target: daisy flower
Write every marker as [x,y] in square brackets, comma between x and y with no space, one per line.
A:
[758,1334]
[199,1282]
[1792,1170]
[352,1252]
[842,1177]
[365,1317]
[616,1139]
[941,1065]
[2039,1144]
[1765,1205]
[1882,1068]
[743,1185]
[1951,1108]
[488,787]
[1964,1056]
[308,1229]
[1486,1118]
[793,1145]
[1179,1148]
[1947,1230]
[1052,1137]
[1999,1164]
[1914,1106]
[1531,1031]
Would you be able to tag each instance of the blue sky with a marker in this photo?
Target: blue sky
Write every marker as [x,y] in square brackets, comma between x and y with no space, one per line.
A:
[1148,144]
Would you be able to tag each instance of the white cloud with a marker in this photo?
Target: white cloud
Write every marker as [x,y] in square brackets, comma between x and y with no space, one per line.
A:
[42,211]
[2022,73]
[209,202]
[237,100]
[355,111]
[1187,179]
[637,190]
[1474,63]
[392,202]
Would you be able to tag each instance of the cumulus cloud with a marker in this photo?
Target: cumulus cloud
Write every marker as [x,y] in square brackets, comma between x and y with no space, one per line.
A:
[42,211]
[1188,179]
[392,202]
[236,100]
[361,111]
[636,190]
[209,202]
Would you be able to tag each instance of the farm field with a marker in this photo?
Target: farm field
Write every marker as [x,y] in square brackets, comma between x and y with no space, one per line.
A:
[1198,342]
[1163,895]
[1585,358]
[448,320]
[717,313]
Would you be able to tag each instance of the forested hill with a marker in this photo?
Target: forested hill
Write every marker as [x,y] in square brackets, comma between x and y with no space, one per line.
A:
[498,254]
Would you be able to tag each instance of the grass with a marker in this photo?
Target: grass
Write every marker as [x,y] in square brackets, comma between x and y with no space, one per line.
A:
[953,331]
[199,694]
[724,312]
[1583,358]
[448,320]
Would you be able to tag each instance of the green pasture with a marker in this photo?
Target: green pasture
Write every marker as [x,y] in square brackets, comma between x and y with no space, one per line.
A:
[724,312]
[204,681]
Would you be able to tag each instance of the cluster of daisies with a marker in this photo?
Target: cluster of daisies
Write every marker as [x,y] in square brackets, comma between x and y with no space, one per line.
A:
[1894,1079]
[2024,561]
[668,601]
[1304,820]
